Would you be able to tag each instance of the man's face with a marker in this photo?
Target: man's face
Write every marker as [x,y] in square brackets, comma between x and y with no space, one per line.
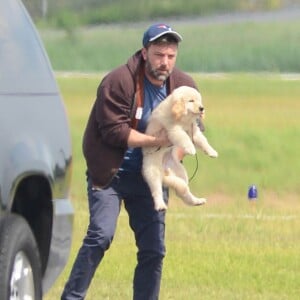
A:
[160,60]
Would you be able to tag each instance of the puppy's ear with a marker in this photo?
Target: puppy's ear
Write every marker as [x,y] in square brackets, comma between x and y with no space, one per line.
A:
[178,109]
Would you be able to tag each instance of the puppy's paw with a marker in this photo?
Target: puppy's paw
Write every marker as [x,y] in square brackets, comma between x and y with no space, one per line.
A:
[160,205]
[190,149]
[199,201]
[213,153]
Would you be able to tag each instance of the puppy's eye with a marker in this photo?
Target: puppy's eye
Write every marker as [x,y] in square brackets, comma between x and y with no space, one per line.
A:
[191,100]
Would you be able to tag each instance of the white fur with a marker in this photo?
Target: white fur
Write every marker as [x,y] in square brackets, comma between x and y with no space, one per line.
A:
[177,115]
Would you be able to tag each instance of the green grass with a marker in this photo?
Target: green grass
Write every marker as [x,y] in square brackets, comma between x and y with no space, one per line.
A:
[76,12]
[229,248]
[271,46]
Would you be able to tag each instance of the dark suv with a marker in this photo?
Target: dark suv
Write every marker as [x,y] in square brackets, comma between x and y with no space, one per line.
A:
[36,214]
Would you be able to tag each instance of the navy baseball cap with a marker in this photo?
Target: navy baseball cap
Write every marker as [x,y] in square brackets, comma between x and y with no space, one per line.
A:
[157,30]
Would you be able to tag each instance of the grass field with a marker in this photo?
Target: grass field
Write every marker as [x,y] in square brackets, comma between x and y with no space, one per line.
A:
[70,13]
[248,46]
[229,248]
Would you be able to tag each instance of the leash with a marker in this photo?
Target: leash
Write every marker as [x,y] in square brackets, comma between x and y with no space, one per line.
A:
[196,169]
[196,156]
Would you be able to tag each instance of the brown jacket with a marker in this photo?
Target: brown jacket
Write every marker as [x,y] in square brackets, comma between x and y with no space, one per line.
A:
[110,121]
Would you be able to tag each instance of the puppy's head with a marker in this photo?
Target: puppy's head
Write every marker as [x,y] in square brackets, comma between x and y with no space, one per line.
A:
[186,101]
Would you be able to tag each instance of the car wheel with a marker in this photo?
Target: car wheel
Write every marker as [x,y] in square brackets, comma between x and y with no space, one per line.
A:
[20,267]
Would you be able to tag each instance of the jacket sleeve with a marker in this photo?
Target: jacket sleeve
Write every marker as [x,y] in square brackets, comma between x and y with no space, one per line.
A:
[113,105]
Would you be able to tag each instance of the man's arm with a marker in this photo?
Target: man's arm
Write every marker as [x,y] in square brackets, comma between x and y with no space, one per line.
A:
[138,139]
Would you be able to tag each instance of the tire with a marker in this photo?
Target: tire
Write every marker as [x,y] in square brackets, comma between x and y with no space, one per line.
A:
[20,266]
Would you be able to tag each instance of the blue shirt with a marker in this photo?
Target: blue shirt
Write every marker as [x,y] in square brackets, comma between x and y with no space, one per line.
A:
[153,95]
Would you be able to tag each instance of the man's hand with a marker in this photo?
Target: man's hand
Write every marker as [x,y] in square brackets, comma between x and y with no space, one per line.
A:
[162,139]
[138,139]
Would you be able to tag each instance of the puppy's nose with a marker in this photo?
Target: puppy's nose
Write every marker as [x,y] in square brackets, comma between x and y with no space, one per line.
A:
[201,109]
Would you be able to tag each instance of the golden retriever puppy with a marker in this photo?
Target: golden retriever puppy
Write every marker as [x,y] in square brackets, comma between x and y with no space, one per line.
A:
[177,115]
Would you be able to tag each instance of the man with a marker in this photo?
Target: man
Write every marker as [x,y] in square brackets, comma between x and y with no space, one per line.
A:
[112,148]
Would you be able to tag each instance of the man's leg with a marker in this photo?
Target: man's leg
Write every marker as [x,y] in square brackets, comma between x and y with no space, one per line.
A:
[104,207]
[147,276]
[149,228]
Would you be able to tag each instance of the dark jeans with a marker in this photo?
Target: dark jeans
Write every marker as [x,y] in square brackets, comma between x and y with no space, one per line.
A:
[148,226]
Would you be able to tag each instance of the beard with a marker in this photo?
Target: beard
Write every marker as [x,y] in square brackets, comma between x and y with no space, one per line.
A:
[160,73]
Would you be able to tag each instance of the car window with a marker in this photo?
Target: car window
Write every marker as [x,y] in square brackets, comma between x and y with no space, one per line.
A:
[23,62]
